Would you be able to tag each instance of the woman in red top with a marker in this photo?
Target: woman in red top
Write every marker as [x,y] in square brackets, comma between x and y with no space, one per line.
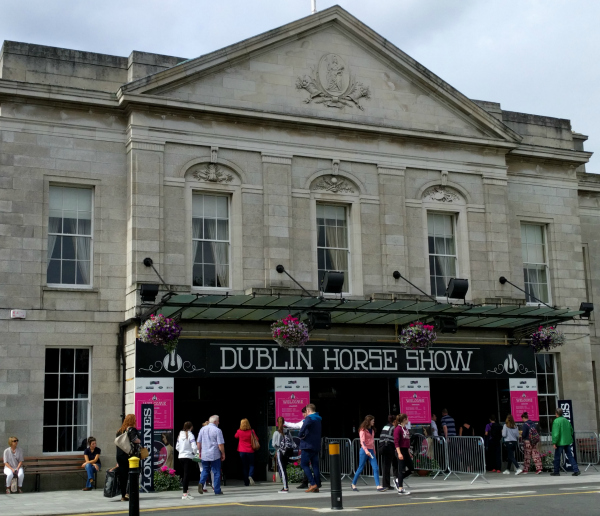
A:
[246,452]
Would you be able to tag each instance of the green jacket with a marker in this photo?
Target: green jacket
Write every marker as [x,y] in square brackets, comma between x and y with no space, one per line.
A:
[562,432]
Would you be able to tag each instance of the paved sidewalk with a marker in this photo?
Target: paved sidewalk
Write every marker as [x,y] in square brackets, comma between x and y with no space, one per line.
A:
[79,502]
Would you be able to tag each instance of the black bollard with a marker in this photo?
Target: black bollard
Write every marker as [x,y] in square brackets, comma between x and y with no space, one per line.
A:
[336,477]
[134,488]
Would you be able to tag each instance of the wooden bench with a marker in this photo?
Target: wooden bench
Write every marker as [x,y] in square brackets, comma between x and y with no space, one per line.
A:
[49,464]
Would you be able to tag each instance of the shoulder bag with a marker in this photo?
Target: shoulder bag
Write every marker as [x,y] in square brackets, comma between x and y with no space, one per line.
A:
[122,442]
[254,441]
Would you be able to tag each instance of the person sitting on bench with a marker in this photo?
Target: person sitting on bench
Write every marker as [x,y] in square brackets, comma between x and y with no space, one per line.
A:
[13,463]
[92,462]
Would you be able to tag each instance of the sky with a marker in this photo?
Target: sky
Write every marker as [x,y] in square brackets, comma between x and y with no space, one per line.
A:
[532,56]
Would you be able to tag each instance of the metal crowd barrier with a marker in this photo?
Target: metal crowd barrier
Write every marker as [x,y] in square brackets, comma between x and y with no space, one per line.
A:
[587,449]
[368,470]
[429,453]
[466,455]
[346,463]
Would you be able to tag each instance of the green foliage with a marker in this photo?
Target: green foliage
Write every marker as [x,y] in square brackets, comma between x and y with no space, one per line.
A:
[163,481]
[294,472]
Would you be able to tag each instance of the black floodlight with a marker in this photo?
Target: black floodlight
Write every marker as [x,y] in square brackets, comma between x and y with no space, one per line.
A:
[587,308]
[446,324]
[148,292]
[319,320]
[333,282]
[457,288]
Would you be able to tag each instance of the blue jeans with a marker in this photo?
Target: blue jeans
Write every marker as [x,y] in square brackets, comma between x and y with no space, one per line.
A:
[90,473]
[570,458]
[247,466]
[362,456]
[312,457]
[214,467]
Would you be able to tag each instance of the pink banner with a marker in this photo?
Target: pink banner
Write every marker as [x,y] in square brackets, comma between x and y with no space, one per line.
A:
[160,393]
[524,398]
[291,394]
[415,399]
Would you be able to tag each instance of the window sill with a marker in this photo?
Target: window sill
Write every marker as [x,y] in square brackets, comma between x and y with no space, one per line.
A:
[71,289]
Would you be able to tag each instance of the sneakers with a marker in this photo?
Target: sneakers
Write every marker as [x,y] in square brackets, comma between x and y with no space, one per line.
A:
[186,496]
[403,491]
[577,473]
[506,472]
[200,489]
[251,480]
[219,494]
[396,484]
[283,491]
[555,474]
[519,471]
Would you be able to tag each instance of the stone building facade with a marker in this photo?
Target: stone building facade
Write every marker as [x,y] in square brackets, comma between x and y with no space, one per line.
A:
[110,156]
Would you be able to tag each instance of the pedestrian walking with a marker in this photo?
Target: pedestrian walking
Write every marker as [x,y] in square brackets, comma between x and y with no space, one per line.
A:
[562,439]
[366,433]
[133,437]
[310,445]
[284,449]
[387,452]
[402,444]
[493,438]
[13,464]
[201,487]
[212,451]
[245,435]
[448,424]
[531,439]
[298,426]
[187,448]
[91,455]
[510,434]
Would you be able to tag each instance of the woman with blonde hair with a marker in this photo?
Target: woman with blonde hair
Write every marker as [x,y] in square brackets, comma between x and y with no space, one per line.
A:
[13,464]
[244,434]
[510,434]
[187,448]
[128,427]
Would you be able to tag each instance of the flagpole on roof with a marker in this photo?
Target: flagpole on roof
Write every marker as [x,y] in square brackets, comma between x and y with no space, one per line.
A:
[313,4]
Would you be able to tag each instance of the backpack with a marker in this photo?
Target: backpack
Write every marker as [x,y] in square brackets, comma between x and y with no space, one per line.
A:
[496,432]
[534,435]
[287,444]
[386,438]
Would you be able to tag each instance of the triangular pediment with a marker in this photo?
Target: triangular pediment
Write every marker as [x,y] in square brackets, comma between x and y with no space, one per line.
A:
[328,65]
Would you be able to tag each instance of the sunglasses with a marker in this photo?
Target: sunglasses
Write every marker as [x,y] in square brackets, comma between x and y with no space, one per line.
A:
[15,440]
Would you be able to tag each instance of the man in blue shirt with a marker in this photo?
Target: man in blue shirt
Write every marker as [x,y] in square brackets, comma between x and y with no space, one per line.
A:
[310,445]
[212,453]
[448,424]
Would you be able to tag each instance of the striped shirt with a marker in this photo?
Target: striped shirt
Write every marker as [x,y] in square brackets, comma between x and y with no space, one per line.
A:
[448,421]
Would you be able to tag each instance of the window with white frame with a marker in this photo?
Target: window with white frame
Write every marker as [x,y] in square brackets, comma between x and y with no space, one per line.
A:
[210,241]
[547,389]
[333,251]
[535,262]
[66,399]
[69,236]
[441,237]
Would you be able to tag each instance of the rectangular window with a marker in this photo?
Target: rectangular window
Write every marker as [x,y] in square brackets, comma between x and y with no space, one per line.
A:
[535,262]
[547,389]
[70,236]
[66,399]
[210,241]
[333,252]
[442,251]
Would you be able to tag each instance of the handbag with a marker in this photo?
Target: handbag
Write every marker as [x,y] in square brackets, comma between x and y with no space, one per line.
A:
[254,441]
[123,443]
[111,484]
[13,485]
[144,453]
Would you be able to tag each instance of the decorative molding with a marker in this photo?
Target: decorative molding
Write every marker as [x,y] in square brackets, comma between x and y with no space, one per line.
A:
[391,170]
[214,154]
[494,181]
[444,178]
[158,147]
[440,194]
[333,184]
[475,208]
[279,160]
[335,167]
[331,84]
[212,173]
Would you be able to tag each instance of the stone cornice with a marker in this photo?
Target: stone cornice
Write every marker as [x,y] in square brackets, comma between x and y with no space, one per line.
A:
[279,160]
[537,153]
[391,170]
[147,146]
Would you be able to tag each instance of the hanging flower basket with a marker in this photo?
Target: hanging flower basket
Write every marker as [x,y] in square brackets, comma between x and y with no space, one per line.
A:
[547,338]
[417,336]
[290,332]
[160,331]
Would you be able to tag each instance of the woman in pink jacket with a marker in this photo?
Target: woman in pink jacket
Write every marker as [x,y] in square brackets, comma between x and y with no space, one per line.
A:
[244,434]
[366,432]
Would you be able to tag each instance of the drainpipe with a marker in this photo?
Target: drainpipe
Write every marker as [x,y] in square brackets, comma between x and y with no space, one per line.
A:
[121,354]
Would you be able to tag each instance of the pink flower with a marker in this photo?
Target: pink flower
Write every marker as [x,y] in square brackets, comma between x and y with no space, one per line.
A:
[172,472]
[295,463]
[164,468]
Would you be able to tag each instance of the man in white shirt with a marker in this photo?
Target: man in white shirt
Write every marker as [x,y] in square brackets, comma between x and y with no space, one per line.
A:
[434,428]
[298,426]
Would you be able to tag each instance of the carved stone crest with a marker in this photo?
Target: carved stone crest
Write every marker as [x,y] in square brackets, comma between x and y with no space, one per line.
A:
[213,174]
[440,194]
[334,184]
[331,84]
